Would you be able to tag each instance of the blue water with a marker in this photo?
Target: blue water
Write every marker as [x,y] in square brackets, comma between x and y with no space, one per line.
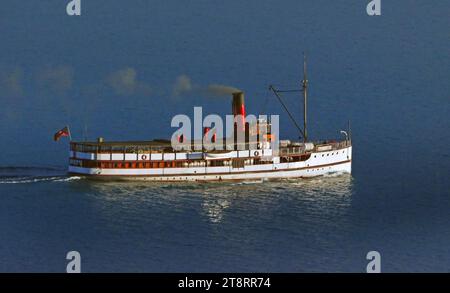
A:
[113,71]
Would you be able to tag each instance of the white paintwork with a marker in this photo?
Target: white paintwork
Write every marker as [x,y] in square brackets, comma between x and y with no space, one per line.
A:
[101,157]
[319,163]
[211,156]
[132,157]
[243,154]
[117,157]
[267,152]
[156,157]
[169,157]
[181,156]
[324,148]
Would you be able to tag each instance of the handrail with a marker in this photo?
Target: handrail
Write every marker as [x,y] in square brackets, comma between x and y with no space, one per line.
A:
[143,149]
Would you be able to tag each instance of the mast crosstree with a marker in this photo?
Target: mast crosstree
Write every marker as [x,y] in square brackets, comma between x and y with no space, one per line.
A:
[304,132]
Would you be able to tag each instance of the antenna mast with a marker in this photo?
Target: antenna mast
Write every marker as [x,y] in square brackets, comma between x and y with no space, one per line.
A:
[305,96]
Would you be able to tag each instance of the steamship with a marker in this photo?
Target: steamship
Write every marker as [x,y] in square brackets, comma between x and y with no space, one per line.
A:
[159,160]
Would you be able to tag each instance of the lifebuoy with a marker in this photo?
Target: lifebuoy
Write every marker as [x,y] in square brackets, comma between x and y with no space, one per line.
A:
[256,153]
[144,157]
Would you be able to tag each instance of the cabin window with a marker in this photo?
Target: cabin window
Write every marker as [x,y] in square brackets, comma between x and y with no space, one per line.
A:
[217,163]
[238,163]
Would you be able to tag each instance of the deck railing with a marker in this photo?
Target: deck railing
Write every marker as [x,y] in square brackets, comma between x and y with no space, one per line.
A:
[318,147]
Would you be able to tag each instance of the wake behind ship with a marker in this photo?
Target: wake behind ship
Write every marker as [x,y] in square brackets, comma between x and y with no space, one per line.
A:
[158,160]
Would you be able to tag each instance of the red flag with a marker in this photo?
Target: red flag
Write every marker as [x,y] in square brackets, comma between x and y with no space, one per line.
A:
[63,132]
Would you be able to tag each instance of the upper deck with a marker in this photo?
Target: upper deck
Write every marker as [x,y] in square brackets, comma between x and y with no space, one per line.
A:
[164,146]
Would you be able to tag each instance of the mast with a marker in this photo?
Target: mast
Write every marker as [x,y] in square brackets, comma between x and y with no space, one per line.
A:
[305,97]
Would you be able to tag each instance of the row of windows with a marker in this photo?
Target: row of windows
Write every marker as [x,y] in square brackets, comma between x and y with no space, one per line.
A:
[239,163]
[318,169]
[131,165]
[181,164]
[80,147]
[295,158]
[332,154]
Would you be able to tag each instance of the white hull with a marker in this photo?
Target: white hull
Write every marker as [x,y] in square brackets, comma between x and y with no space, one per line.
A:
[319,163]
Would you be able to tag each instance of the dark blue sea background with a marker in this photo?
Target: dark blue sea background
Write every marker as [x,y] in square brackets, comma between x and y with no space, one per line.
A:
[123,69]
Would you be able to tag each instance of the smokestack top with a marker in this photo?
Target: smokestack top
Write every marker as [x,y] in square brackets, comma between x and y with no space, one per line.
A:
[238,95]
[238,107]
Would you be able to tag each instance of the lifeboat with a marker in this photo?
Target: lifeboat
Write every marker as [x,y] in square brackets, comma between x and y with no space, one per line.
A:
[219,155]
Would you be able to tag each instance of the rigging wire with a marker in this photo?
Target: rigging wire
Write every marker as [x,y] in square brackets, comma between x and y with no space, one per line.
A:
[276,92]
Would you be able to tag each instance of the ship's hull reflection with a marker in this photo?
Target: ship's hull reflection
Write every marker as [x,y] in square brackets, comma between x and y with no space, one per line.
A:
[215,201]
